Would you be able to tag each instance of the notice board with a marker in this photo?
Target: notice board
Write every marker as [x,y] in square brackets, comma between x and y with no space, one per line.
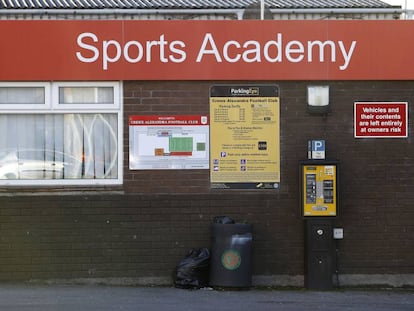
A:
[244,137]
[168,142]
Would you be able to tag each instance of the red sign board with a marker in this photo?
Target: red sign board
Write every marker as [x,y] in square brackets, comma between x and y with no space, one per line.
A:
[381,119]
[36,50]
[168,120]
[169,142]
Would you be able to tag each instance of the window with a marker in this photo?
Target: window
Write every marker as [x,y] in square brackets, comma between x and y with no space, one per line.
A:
[60,133]
[24,96]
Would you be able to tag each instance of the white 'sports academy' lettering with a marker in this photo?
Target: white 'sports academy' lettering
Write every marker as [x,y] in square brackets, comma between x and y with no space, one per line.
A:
[93,49]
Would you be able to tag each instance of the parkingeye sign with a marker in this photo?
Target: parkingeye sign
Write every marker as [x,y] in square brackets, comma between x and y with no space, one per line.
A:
[36,50]
[381,119]
[245,140]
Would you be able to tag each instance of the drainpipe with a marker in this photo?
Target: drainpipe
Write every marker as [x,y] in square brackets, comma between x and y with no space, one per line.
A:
[262,9]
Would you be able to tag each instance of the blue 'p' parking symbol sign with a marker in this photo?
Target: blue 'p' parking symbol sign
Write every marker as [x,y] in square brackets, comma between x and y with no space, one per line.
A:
[317,149]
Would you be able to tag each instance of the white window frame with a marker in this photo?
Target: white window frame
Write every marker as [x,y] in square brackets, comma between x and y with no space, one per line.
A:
[46,105]
[58,106]
[52,106]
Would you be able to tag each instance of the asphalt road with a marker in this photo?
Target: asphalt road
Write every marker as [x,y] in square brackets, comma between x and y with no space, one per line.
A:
[91,298]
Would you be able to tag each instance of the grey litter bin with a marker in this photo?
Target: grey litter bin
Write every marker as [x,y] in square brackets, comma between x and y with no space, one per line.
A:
[231,255]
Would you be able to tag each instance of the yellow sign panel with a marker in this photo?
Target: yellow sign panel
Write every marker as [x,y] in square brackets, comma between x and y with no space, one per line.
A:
[244,135]
[319,190]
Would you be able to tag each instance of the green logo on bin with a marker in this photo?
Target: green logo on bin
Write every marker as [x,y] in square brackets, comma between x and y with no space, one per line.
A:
[231,259]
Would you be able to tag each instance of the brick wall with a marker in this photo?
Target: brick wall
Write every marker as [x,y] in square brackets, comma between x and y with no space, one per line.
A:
[144,227]
[98,236]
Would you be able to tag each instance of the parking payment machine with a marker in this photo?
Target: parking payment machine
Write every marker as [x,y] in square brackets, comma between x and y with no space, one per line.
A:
[319,206]
[319,189]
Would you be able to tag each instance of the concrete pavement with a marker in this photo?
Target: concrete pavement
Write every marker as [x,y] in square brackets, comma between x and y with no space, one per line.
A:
[93,298]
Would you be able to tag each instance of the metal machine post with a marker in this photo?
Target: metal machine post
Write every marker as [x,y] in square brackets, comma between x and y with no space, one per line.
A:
[319,253]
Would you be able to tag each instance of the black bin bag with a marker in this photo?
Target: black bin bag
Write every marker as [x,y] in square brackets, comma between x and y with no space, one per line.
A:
[224,220]
[193,270]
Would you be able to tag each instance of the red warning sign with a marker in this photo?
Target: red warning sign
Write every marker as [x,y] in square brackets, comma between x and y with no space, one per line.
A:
[381,120]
